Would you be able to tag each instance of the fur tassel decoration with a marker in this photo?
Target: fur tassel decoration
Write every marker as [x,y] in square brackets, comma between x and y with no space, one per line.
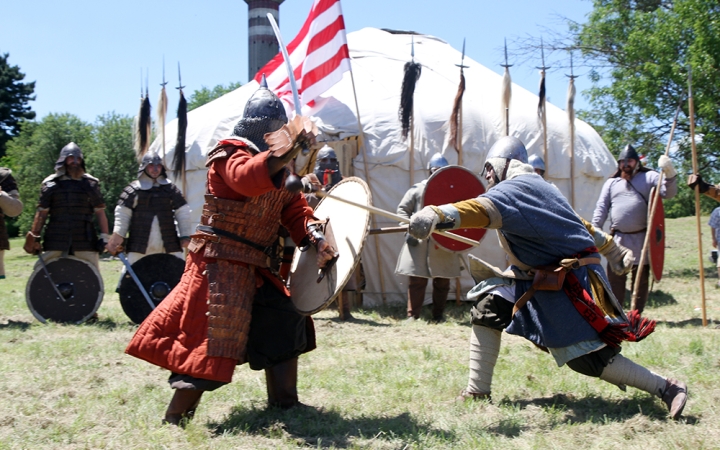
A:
[412,74]
[143,131]
[506,95]
[162,113]
[455,132]
[178,165]
[505,101]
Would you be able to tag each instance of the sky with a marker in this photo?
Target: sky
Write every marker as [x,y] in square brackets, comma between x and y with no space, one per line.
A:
[87,57]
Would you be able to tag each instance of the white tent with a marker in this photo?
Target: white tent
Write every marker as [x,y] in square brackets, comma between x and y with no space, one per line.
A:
[378,58]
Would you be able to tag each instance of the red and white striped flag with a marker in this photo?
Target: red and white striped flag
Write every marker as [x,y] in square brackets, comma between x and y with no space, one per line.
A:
[319,55]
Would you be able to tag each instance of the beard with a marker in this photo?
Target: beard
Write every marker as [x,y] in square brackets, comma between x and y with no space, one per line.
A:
[74,171]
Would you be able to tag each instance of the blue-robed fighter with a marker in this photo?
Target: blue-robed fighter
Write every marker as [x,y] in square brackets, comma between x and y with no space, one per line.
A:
[555,293]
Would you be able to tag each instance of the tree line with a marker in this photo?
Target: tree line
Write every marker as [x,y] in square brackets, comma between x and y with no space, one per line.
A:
[31,147]
[637,52]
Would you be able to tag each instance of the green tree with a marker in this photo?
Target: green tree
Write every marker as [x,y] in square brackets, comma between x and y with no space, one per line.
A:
[32,155]
[111,157]
[640,52]
[14,98]
[206,95]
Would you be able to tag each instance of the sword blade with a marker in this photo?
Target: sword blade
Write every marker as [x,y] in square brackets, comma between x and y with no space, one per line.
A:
[47,274]
[135,278]
[288,65]
[397,217]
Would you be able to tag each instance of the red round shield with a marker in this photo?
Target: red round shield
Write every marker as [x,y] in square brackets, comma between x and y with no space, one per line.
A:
[452,184]
[656,244]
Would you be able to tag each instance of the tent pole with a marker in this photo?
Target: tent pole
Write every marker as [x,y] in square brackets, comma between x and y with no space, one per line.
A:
[361,136]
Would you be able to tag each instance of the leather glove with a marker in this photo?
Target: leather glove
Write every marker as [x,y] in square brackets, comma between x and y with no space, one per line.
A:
[696,180]
[411,241]
[32,245]
[667,167]
[423,222]
[620,259]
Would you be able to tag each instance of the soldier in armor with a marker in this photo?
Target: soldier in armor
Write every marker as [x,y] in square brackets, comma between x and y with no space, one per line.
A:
[11,206]
[148,208]
[625,196]
[327,174]
[422,260]
[555,293]
[230,306]
[70,198]
[537,164]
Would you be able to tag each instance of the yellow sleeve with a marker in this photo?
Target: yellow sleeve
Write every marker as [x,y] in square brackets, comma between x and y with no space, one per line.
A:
[472,214]
[602,239]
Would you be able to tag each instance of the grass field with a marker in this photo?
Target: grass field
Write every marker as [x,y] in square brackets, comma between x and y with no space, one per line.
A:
[376,382]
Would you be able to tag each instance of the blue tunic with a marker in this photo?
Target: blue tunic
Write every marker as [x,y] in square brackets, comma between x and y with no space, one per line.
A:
[541,228]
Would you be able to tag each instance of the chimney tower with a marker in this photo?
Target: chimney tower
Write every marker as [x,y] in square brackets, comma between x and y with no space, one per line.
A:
[262,45]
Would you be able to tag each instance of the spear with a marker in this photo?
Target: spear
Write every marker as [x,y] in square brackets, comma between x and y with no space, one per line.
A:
[697,193]
[571,120]
[456,138]
[506,94]
[456,115]
[411,75]
[542,111]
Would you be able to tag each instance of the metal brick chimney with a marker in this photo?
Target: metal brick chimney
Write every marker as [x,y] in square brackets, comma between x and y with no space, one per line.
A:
[262,45]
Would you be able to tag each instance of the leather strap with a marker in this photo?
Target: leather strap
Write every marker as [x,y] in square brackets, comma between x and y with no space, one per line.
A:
[565,264]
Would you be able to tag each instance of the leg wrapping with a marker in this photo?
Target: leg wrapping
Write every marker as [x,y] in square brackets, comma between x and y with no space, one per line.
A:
[623,371]
[484,350]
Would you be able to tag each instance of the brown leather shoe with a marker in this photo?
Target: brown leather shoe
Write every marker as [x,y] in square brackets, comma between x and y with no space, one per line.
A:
[475,396]
[675,397]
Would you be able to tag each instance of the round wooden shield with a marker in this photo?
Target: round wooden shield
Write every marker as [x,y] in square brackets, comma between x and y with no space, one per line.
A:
[656,243]
[78,282]
[346,232]
[452,184]
[159,273]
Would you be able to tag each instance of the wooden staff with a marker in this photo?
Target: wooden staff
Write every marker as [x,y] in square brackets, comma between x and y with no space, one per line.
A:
[697,194]
[653,202]
[506,94]
[361,136]
[397,217]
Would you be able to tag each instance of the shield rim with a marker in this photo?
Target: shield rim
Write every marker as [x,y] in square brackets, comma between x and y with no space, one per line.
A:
[356,259]
[120,296]
[433,237]
[39,268]
[660,249]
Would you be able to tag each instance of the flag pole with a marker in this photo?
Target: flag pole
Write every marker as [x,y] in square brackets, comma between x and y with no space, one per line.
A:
[653,202]
[697,194]
[361,138]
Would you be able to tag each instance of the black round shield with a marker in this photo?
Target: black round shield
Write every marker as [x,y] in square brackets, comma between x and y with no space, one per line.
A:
[158,273]
[79,284]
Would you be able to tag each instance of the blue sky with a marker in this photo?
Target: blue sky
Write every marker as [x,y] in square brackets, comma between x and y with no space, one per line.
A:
[86,56]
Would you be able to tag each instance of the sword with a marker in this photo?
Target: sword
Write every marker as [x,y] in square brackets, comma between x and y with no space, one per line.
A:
[47,274]
[399,218]
[135,278]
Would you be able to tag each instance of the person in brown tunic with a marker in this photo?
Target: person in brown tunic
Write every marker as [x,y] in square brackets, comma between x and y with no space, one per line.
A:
[11,206]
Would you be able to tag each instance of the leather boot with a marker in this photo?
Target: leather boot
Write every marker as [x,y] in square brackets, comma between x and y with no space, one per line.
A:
[281,382]
[416,296]
[441,288]
[182,406]
[344,306]
[675,397]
